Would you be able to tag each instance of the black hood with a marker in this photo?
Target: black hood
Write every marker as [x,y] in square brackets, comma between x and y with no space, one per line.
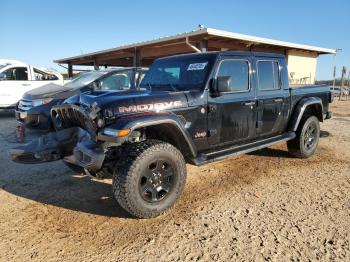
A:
[50,91]
[132,101]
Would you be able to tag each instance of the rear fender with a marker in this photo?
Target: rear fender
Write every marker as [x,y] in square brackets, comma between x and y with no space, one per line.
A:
[306,104]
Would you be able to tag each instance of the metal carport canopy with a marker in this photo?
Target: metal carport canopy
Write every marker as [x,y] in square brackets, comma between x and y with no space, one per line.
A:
[204,39]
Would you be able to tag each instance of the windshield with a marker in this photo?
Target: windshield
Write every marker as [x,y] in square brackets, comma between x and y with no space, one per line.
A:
[84,79]
[2,66]
[178,73]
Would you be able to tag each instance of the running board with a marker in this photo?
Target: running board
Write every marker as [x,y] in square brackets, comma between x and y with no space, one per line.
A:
[206,158]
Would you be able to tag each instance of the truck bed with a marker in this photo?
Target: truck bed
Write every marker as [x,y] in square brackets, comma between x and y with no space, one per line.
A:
[299,92]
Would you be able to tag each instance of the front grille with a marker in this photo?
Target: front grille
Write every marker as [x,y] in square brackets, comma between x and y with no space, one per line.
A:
[25,105]
[66,116]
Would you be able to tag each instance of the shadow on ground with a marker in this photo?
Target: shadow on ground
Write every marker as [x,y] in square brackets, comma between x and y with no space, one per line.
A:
[64,189]
[271,152]
[54,184]
[325,134]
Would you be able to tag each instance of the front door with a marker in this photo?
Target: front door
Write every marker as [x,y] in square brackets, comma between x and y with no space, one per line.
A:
[14,86]
[231,115]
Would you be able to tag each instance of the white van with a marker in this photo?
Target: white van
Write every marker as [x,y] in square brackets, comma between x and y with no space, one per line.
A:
[16,78]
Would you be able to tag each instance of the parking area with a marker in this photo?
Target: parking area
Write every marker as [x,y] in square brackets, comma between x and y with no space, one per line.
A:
[261,206]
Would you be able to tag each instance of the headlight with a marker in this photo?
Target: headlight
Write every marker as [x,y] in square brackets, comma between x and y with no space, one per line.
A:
[39,102]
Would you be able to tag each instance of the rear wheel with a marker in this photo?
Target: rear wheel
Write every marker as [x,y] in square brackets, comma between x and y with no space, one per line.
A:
[150,178]
[306,141]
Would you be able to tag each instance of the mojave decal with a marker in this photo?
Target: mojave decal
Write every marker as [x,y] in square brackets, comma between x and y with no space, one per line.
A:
[149,107]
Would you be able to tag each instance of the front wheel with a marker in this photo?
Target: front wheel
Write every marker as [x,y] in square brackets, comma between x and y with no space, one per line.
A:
[150,178]
[306,141]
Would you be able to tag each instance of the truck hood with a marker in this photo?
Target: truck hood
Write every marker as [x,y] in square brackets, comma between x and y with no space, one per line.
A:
[50,91]
[134,101]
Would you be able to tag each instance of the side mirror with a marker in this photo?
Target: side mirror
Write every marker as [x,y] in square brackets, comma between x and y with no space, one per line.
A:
[3,76]
[223,84]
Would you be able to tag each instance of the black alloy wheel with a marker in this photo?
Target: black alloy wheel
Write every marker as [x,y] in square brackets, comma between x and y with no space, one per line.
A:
[157,181]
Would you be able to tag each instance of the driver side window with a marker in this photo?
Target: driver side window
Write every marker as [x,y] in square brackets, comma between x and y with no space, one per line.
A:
[117,81]
[17,74]
[238,70]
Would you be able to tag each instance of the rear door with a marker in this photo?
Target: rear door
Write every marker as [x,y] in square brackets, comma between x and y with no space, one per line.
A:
[231,115]
[272,98]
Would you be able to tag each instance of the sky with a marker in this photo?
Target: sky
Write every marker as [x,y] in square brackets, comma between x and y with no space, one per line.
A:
[38,32]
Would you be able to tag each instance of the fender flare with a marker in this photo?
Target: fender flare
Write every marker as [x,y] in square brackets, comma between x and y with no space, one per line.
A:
[300,109]
[148,120]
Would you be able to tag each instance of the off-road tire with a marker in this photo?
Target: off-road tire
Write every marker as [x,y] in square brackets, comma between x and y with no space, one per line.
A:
[297,146]
[131,168]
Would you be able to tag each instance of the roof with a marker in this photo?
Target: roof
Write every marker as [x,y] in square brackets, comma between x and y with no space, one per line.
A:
[10,62]
[223,53]
[216,40]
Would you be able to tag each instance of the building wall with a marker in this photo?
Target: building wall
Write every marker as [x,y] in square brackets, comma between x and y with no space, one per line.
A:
[302,67]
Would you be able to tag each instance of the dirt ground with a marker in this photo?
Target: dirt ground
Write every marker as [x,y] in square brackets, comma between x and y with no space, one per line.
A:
[262,206]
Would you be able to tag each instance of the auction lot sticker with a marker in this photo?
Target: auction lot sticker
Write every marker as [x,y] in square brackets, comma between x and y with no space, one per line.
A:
[197,66]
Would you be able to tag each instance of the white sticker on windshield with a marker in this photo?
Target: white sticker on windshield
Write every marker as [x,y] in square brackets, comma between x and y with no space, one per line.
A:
[197,66]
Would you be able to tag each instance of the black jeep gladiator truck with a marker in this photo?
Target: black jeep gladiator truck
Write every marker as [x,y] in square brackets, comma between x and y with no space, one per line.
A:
[193,108]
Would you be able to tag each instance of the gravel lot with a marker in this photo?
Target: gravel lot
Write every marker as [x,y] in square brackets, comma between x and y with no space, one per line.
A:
[262,206]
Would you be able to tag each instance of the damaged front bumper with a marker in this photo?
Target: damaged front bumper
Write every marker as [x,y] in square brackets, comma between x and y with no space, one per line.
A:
[73,145]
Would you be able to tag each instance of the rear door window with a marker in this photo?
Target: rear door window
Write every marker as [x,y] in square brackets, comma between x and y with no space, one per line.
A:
[42,76]
[268,75]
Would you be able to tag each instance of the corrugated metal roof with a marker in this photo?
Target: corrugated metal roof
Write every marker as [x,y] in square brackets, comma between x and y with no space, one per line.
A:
[208,32]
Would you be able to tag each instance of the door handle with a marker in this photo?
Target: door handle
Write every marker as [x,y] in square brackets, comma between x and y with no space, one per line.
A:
[249,103]
[25,84]
[278,100]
